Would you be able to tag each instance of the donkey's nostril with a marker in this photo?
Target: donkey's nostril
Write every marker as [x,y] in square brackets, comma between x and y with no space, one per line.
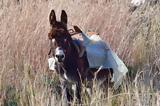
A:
[62,56]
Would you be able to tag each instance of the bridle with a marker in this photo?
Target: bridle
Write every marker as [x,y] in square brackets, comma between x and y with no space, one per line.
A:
[50,50]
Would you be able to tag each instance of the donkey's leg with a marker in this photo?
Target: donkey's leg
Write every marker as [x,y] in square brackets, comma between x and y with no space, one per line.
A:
[89,87]
[77,92]
[66,98]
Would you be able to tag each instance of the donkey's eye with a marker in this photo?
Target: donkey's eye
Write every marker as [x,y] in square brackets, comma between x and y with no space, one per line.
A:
[50,35]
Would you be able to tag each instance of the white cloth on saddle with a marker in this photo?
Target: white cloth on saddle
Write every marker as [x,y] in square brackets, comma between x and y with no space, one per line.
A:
[100,54]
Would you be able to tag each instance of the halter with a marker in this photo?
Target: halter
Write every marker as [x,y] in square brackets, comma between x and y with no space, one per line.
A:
[71,32]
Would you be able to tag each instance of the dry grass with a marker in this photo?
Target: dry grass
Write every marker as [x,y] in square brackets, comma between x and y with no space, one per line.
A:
[25,79]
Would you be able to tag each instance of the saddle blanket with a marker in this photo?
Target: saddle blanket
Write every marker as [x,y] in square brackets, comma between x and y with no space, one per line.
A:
[99,54]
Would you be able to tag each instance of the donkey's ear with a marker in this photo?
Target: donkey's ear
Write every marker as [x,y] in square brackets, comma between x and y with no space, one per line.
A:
[64,17]
[52,17]
[77,29]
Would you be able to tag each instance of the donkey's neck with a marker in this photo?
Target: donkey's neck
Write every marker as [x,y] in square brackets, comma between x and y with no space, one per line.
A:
[71,58]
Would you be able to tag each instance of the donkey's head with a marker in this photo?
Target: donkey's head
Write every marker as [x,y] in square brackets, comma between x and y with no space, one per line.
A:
[59,36]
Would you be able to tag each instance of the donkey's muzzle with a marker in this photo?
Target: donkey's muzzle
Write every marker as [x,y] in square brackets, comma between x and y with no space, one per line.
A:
[60,58]
[59,54]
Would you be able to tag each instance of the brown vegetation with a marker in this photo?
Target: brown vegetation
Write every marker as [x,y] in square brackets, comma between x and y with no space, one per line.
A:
[135,37]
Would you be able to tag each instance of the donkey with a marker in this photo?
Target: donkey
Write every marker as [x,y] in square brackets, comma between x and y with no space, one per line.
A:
[72,68]
[65,54]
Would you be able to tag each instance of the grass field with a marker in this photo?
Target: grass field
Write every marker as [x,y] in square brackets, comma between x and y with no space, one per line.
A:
[24,76]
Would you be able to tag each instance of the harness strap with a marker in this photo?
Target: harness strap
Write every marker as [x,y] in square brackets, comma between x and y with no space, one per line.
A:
[79,48]
[72,32]
[49,52]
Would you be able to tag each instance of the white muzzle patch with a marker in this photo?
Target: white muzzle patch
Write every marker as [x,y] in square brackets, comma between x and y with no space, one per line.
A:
[59,52]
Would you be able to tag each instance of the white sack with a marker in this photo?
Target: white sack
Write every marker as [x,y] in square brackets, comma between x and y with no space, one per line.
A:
[100,54]
[51,63]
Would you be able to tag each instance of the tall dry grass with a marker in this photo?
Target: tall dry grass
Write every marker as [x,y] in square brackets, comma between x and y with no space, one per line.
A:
[25,78]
